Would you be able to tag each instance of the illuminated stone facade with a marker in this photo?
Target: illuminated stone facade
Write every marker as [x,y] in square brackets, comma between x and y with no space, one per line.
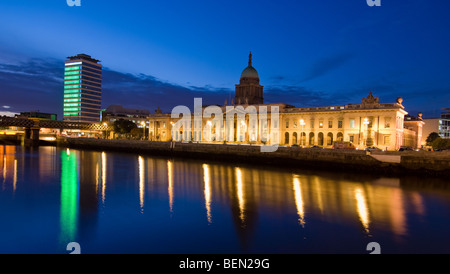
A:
[369,123]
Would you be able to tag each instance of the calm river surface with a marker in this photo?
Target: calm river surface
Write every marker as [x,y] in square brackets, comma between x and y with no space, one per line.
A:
[125,203]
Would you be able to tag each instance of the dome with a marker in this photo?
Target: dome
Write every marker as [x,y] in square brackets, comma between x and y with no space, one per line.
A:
[249,72]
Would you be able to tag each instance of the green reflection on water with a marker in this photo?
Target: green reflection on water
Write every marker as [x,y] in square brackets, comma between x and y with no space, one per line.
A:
[69,197]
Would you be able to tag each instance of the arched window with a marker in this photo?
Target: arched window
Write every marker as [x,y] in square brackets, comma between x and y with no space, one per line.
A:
[286,138]
[303,139]
[340,137]
[320,139]
[311,138]
[294,138]
[329,139]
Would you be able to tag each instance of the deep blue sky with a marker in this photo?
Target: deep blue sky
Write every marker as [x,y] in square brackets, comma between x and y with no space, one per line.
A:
[164,53]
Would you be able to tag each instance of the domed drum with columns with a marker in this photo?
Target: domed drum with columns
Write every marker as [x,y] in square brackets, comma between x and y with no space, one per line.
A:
[249,91]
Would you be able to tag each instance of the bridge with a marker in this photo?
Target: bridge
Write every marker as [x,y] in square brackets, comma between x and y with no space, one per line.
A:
[32,126]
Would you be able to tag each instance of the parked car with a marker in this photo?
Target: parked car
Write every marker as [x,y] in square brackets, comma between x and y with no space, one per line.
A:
[372,149]
[294,145]
[316,147]
[405,149]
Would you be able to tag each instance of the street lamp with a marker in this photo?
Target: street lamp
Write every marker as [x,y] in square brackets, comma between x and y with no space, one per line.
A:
[209,123]
[302,123]
[143,127]
[106,130]
[244,130]
[366,123]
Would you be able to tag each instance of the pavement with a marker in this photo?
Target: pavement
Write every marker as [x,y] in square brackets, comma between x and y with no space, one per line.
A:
[388,158]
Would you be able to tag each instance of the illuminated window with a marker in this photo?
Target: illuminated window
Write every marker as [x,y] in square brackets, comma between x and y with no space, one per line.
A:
[352,123]
[71,109]
[320,124]
[72,77]
[71,95]
[72,86]
[72,73]
[330,124]
[340,123]
[72,105]
[72,68]
[387,140]
[72,82]
[72,91]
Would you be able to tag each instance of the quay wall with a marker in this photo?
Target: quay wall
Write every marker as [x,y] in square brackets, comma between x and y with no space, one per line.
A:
[412,163]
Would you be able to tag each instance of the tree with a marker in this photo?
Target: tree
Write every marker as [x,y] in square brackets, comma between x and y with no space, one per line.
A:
[136,133]
[123,126]
[440,143]
[433,136]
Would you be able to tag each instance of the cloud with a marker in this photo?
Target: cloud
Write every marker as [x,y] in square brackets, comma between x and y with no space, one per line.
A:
[301,96]
[32,85]
[326,65]
[37,84]
[147,92]
[8,113]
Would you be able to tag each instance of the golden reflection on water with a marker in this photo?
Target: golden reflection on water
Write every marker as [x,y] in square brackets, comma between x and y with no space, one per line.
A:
[103,177]
[299,201]
[367,203]
[170,184]
[206,179]
[141,183]
[361,207]
[240,194]
[15,175]
[9,168]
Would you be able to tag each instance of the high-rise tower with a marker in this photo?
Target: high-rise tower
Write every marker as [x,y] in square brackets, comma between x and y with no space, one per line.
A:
[82,89]
[249,91]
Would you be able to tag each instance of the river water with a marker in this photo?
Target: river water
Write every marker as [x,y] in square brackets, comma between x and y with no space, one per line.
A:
[112,202]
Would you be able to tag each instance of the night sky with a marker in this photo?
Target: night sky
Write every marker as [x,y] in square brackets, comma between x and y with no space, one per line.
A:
[165,53]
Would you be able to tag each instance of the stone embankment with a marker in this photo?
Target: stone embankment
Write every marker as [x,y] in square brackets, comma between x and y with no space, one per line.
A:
[388,163]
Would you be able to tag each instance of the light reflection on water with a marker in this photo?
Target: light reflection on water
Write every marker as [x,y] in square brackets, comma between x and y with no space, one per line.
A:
[125,203]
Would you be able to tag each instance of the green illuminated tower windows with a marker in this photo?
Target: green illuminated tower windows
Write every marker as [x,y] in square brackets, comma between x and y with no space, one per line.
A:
[82,89]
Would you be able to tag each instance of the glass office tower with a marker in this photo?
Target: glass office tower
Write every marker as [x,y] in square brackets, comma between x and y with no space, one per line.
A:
[82,89]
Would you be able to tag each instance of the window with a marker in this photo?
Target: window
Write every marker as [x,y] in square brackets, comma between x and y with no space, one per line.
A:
[287,123]
[387,122]
[295,124]
[330,124]
[312,124]
[329,139]
[320,124]
[387,140]
[352,123]
[351,138]
[340,123]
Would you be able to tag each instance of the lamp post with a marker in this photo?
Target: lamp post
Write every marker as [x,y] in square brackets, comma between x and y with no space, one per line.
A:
[209,123]
[106,130]
[143,131]
[366,123]
[244,130]
[302,123]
